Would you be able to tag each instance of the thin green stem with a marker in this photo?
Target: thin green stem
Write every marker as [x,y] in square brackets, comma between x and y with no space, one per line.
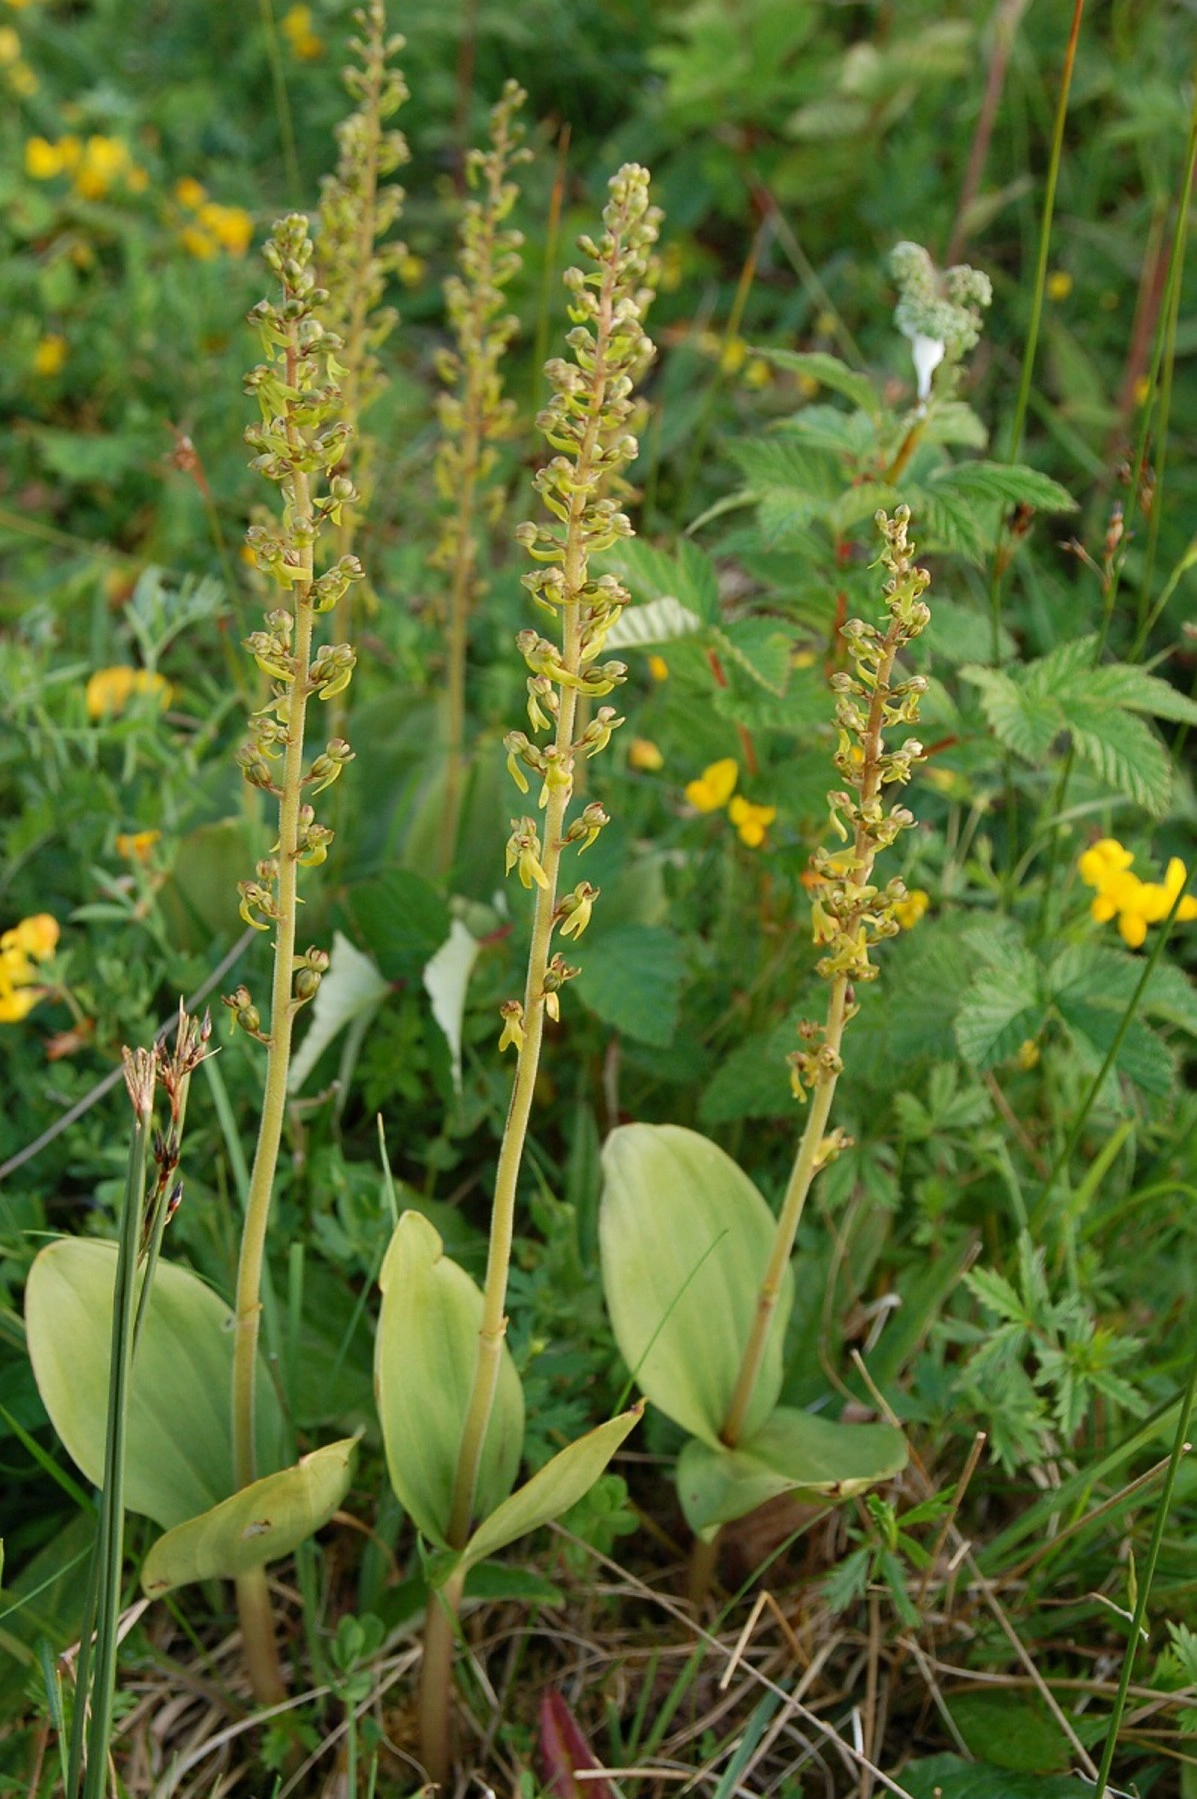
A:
[111,1536]
[494,1322]
[1180,1446]
[807,1159]
[282,103]
[1032,341]
[1082,1115]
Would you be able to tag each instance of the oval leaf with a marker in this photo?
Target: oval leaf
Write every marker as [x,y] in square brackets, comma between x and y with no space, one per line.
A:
[685,1239]
[794,1452]
[179,1459]
[550,1493]
[424,1360]
[262,1522]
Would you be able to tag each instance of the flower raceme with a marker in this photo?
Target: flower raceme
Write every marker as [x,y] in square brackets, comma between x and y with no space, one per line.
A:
[22,950]
[1106,866]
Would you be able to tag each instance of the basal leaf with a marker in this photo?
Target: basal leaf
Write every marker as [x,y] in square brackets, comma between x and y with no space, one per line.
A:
[553,1489]
[179,1455]
[685,1238]
[424,1360]
[793,1452]
[446,981]
[262,1523]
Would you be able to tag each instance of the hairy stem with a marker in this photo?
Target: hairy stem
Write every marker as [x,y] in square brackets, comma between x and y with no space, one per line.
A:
[806,1162]
[494,1321]
[252,1598]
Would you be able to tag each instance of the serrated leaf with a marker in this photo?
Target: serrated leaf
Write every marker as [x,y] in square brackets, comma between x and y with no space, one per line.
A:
[955,422]
[446,981]
[830,372]
[1122,684]
[688,576]
[1001,1009]
[352,988]
[660,621]
[783,462]
[752,1082]
[793,1452]
[262,1523]
[685,1239]
[1142,1056]
[1010,483]
[424,1361]
[946,521]
[552,1489]
[1122,749]
[859,503]
[179,1459]
[761,647]
[631,978]
[1022,722]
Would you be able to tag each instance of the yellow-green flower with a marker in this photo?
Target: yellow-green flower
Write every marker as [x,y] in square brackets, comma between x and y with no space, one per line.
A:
[1059,284]
[751,821]
[715,786]
[110,689]
[912,908]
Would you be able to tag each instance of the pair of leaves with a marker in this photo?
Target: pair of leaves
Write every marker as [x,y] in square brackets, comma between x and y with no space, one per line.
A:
[425,1358]
[1099,707]
[685,1238]
[179,1469]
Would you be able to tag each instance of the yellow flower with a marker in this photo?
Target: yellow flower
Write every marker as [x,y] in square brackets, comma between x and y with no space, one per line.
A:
[50,355]
[644,754]
[751,821]
[231,226]
[1142,389]
[714,786]
[43,160]
[190,193]
[103,161]
[10,46]
[803,659]
[411,269]
[110,689]
[22,80]
[296,26]
[757,372]
[1106,865]
[135,846]
[18,5]
[36,936]
[1102,859]
[1028,1054]
[198,243]
[911,909]
[21,949]
[732,356]
[1059,284]
[658,668]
